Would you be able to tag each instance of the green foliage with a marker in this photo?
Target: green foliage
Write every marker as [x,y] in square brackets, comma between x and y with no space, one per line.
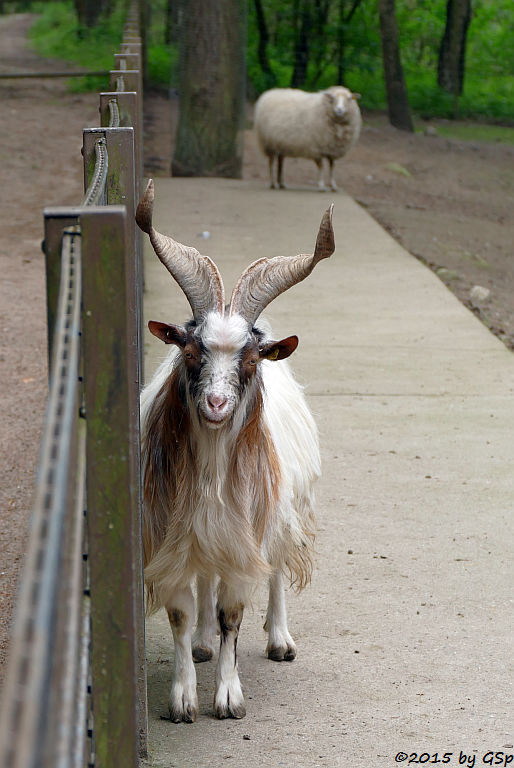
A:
[488,83]
[57,34]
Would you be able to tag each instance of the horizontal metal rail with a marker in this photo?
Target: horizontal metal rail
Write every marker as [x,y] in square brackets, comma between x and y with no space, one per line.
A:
[35,75]
[41,637]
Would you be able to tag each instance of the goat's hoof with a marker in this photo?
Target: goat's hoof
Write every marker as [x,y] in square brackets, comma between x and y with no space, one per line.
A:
[236,711]
[229,701]
[202,653]
[184,714]
[182,708]
[281,652]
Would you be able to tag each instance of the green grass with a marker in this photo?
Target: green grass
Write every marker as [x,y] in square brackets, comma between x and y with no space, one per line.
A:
[476,132]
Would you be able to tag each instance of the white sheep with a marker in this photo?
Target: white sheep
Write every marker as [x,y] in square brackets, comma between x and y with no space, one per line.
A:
[293,123]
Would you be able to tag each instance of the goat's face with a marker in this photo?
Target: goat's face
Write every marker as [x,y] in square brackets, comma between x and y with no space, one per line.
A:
[220,358]
[338,101]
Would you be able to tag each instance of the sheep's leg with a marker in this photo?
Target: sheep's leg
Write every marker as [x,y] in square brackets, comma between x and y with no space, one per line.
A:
[228,699]
[280,172]
[183,702]
[271,160]
[280,646]
[321,179]
[204,637]
[333,185]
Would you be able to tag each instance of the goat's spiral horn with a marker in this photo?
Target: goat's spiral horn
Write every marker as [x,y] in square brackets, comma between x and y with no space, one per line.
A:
[267,278]
[197,275]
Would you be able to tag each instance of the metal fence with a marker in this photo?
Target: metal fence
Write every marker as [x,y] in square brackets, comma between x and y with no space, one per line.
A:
[75,689]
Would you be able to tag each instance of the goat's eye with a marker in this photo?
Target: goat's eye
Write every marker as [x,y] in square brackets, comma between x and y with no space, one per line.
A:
[189,355]
[252,361]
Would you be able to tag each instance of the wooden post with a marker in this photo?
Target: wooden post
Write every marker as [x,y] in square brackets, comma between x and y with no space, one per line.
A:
[132,61]
[120,190]
[112,484]
[132,82]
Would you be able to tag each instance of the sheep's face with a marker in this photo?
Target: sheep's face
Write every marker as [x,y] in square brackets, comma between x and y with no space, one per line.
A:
[220,358]
[339,102]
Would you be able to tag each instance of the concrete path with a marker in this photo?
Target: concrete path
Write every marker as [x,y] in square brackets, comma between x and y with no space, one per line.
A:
[405,637]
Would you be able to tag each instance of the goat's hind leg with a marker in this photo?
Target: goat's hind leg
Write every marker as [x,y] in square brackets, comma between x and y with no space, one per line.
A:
[183,702]
[228,699]
[280,646]
[204,637]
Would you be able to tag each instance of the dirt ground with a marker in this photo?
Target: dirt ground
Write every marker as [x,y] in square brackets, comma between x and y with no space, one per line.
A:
[448,202]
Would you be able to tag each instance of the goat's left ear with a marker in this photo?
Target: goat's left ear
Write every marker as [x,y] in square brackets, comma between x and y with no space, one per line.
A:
[170,334]
[278,350]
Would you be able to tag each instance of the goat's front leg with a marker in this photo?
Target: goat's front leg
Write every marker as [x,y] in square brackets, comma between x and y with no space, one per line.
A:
[280,646]
[183,702]
[204,637]
[228,699]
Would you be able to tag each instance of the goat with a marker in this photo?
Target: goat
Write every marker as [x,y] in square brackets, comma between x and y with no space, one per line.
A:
[230,453]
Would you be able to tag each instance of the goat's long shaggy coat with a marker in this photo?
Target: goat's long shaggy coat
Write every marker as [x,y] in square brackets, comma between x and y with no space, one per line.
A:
[234,502]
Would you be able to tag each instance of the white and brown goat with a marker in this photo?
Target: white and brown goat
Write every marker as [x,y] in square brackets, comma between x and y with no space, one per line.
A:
[230,454]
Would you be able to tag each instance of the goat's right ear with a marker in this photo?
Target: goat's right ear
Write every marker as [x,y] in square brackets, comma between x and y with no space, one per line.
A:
[170,334]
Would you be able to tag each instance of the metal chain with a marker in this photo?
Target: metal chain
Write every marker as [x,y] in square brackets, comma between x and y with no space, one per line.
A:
[114,119]
[96,188]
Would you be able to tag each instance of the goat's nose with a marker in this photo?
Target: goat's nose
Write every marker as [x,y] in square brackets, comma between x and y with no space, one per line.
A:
[216,402]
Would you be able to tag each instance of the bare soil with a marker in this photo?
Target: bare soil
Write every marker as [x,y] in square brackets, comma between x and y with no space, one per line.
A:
[448,202]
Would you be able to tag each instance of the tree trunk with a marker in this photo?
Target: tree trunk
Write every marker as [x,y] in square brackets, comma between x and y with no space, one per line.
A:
[340,43]
[262,53]
[450,67]
[173,13]
[302,22]
[88,13]
[398,104]
[212,89]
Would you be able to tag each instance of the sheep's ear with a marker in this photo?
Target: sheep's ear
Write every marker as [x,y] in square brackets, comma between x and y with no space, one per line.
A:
[356,96]
[278,350]
[328,95]
[170,334]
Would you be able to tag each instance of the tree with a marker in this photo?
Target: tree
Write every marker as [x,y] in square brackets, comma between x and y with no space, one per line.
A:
[212,83]
[262,52]
[450,67]
[396,90]
[302,26]
[343,20]
[88,12]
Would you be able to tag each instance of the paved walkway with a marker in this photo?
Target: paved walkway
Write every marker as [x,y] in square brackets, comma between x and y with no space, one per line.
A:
[405,638]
